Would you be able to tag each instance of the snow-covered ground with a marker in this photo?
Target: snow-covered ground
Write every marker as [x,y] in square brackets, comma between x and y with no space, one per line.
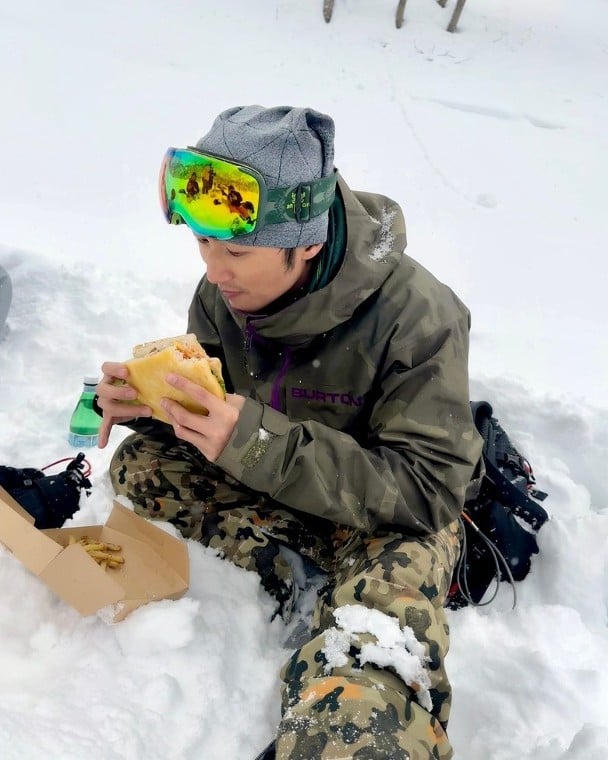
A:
[493,140]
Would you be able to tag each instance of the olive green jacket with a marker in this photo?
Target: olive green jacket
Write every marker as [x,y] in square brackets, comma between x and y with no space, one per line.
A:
[357,404]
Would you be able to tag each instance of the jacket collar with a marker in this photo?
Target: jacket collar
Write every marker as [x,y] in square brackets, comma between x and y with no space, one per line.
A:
[375,242]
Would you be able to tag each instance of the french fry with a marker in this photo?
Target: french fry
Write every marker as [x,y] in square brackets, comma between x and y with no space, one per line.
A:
[104,553]
[99,547]
[99,555]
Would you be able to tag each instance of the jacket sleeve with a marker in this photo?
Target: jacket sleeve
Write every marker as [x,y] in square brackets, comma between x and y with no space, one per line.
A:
[421,451]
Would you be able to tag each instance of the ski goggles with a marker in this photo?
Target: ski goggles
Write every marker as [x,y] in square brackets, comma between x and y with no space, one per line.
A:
[224,199]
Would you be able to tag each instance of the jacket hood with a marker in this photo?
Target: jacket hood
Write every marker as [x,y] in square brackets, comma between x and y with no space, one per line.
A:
[375,243]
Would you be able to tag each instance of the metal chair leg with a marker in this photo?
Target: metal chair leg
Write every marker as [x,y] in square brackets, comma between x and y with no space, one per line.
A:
[399,13]
[328,9]
[456,15]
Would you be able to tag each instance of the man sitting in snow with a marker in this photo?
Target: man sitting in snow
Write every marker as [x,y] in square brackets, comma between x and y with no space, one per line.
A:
[346,434]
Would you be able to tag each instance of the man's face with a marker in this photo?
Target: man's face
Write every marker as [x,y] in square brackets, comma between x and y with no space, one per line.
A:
[251,277]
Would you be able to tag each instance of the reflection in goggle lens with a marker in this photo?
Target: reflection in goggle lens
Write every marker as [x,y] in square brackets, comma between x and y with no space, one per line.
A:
[213,197]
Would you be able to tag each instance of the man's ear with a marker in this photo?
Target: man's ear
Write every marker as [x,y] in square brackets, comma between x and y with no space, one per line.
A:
[310,251]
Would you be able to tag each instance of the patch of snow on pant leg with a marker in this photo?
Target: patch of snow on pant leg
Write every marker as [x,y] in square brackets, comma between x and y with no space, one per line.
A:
[395,647]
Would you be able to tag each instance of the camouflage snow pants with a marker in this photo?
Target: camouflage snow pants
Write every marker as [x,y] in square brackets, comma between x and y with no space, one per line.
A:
[347,691]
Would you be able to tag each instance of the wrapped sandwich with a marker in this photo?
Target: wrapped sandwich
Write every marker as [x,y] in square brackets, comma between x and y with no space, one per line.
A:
[182,355]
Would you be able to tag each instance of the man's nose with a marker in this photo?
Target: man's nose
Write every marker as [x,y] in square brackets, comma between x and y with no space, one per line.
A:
[217,271]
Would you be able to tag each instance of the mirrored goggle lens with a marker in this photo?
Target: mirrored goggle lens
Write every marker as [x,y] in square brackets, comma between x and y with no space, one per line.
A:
[212,196]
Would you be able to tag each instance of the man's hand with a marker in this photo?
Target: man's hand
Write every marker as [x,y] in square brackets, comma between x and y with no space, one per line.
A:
[209,433]
[113,400]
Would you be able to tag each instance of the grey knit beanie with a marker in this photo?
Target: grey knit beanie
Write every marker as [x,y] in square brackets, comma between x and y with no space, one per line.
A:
[287,146]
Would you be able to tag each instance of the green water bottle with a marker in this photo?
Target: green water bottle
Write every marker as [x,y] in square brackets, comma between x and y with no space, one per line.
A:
[85,422]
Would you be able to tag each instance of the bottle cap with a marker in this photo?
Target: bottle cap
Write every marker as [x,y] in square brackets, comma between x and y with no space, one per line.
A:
[91,379]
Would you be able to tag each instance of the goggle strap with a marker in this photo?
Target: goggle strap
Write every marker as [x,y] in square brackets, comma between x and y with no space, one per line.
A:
[301,203]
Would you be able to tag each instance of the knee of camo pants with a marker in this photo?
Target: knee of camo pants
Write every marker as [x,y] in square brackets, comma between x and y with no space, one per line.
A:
[351,689]
[168,479]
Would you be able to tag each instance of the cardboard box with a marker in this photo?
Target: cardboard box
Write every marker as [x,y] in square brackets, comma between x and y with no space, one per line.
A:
[156,564]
